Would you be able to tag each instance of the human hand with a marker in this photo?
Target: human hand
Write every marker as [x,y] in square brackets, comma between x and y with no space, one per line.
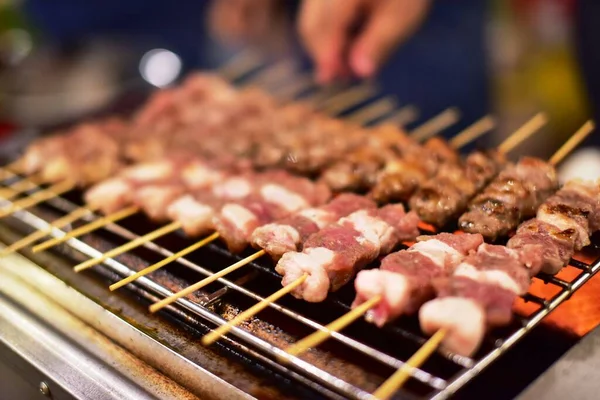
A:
[327,28]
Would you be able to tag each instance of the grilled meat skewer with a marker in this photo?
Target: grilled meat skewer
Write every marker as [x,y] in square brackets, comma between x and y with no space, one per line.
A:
[514,195]
[332,256]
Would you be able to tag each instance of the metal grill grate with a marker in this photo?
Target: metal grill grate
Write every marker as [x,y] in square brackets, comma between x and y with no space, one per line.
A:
[438,379]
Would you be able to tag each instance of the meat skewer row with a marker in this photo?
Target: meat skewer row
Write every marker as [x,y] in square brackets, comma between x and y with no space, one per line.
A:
[481,292]
[104,141]
[516,193]
[148,186]
[401,178]
[357,170]
[299,225]
[153,193]
[331,257]
[406,279]
[276,238]
[446,196]
[274,197]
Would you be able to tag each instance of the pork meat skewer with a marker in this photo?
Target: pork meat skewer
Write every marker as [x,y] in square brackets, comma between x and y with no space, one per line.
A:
[446,196]
[332,256]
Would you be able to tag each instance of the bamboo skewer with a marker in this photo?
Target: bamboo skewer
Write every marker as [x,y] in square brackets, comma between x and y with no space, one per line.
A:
[204,282]
[173,226]
[252,311]
[164,262]
[372,111]
[347,99]
[390,386]
[436,124]
[273,74]
[473,132]
[12,191]
[97,224]
[11,168]
[58,224]
[38,197]
[404,116]
[572,143]
[526,130]
[336,326]
[294,89]
[483,125]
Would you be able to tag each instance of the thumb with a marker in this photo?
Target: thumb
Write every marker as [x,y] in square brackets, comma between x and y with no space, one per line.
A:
[390,23]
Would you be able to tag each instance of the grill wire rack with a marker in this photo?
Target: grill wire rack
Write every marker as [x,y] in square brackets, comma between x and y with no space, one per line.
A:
[438,379]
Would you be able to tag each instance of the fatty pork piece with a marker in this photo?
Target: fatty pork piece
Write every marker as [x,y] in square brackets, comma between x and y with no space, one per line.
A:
[290,233]
[479,295]
[405,279]
[514,195]
[446,195]
[274,200]
[332,256]
[563,225]
[195,210]
[115,193]
[357,170]
[402,177]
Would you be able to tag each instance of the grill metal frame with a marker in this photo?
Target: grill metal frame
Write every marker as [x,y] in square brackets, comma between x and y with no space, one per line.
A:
[294,367]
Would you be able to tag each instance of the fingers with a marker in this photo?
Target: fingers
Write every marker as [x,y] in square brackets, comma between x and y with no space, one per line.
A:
[389,23]
[324,29]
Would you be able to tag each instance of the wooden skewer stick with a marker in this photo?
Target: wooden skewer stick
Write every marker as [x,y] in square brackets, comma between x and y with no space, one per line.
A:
[206,281]
[348,98]
[164,262]
[320,336]
[473,132]
[272,74]
[249,313]
[526,130]
[38,197]
[12,167]
[37,235]
[318,97]
[292,90]
[573,142]
[436,124]
[14,190]
[9,171]
[389,387]
[403,116]
[241,64]
[373,111]
[173,226]
[97,224]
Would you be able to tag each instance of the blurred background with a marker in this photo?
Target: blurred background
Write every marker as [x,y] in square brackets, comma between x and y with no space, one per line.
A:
[62,60]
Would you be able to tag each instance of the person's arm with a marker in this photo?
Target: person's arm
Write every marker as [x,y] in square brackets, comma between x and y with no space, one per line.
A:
[328,30]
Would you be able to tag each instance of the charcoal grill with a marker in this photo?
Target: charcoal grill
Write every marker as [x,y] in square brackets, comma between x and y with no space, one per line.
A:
[350,365]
